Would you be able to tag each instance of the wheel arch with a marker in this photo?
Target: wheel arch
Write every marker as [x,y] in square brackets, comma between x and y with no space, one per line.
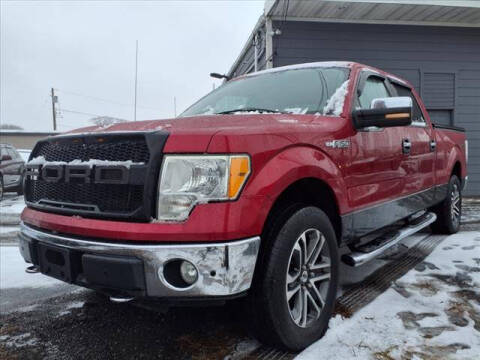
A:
[309,191]
[457,170]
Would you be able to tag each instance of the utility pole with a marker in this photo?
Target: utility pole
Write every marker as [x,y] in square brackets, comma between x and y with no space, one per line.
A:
[175,106]
[54,110]
[136,72]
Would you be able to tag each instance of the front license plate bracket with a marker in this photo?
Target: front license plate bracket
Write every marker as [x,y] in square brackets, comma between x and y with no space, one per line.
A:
[55,262]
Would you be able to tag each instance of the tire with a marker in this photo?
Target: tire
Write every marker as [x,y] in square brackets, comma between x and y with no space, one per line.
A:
[1,188]
[449,211]
[280,322]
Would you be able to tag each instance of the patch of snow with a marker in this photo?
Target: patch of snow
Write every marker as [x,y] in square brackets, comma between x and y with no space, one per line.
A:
[28,308]
[246,112]
[10,209]
[40,160]
[335,103]
[297,110]
[324,64]
[12,271]
[470,212]
[4,230]
[434,318]
[18,341]
[76,305]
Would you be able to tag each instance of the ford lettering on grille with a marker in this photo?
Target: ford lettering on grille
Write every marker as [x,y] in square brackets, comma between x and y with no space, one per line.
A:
[83,174]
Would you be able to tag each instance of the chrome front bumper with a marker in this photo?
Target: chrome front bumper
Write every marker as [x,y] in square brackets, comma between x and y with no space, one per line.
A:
[224,269]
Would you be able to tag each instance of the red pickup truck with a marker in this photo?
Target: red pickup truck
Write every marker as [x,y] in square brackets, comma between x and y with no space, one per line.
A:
[253,191]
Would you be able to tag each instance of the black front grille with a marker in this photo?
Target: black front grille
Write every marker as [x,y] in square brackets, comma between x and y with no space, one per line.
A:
[134,149]
[107,198]
[133,200]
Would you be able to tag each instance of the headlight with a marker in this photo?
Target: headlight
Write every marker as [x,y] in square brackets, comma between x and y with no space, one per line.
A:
[190,180]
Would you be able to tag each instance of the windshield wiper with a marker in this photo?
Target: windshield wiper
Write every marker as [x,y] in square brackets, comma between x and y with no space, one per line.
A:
[251,109]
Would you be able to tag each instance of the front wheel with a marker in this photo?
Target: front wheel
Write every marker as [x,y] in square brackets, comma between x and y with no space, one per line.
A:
[295,290]
[449,211]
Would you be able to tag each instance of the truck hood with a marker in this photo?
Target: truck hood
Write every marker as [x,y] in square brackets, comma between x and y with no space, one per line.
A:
[193,134]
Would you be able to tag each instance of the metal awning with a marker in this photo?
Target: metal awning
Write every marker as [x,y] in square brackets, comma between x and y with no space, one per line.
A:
[408,12]
[453,13]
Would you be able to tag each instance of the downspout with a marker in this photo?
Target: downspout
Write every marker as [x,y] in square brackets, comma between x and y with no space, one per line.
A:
[269,42]
[255,44]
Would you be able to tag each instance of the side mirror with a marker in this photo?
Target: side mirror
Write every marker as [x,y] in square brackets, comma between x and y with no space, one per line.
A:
[6,158]
[385,112]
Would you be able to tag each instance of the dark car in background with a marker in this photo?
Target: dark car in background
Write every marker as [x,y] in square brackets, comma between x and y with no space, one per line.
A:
[12,168]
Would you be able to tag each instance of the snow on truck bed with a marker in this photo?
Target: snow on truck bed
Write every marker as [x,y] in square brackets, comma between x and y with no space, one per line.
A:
[432,312]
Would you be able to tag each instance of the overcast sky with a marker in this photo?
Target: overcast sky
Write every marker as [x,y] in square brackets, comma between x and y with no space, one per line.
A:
[86,51]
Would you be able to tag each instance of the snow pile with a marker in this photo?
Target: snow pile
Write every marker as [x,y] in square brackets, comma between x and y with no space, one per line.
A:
[297,110]
[335,103]
[40,160]
[433,312]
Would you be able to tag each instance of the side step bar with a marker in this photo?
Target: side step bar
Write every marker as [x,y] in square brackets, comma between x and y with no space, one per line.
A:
[359,257]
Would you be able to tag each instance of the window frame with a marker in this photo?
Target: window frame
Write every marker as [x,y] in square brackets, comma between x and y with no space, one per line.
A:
[421,124]
[362,78]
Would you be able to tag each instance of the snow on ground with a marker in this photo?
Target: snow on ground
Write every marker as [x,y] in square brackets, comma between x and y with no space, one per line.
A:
[470,210]
[11,207]
[12,271]
[433,312]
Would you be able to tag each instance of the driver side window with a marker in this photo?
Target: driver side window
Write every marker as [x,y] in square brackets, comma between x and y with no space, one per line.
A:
[374,88]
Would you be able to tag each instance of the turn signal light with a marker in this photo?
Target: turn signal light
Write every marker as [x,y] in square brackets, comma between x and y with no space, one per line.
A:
[239,171]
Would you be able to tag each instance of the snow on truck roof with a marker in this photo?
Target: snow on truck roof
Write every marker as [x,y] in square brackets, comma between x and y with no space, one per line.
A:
[324,64]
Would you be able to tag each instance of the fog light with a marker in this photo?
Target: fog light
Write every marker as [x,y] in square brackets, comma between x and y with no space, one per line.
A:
[189,272]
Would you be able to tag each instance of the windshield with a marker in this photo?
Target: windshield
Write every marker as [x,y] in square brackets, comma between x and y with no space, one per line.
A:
[298,91]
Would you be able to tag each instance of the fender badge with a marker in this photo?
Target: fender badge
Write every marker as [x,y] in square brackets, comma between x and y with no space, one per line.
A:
[338,144]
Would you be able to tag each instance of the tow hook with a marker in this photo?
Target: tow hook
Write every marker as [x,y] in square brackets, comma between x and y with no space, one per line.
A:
[120,300]
[32,269]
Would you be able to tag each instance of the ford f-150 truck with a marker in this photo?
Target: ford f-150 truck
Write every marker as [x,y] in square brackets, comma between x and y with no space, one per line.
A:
[260,189]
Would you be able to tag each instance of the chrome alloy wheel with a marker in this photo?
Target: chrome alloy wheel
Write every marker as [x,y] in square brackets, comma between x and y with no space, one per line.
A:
[455,204]
[308,278]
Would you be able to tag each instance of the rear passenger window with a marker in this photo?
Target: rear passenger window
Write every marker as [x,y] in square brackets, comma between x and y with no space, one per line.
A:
[405,91]
[374,89]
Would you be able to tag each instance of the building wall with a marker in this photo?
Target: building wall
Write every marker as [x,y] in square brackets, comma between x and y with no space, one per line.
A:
[443,63]
[247,62]
[22,140]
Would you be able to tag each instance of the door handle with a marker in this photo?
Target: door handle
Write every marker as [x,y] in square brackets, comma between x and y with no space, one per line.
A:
[406,146]
[433,145]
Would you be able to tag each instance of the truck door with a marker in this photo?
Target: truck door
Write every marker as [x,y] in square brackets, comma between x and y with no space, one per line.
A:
[420,162]
[375,173]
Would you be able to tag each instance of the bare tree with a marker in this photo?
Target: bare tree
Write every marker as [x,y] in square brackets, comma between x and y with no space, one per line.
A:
[10,127]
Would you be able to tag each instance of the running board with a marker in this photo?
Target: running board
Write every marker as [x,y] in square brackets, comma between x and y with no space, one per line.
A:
[359,257]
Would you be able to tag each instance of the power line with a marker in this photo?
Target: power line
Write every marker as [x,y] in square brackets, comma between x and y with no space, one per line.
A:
[103,100]
[67,126]
[79,112]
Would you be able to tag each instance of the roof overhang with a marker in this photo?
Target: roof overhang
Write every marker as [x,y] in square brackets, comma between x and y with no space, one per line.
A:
[461,13]
[258,25]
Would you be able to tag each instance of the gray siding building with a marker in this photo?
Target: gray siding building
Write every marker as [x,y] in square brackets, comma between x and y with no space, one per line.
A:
[433,44]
